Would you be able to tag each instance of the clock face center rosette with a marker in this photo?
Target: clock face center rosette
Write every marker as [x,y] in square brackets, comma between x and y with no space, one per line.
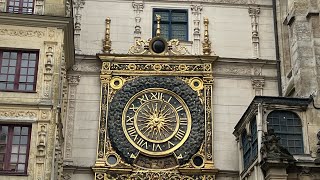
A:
[156,117]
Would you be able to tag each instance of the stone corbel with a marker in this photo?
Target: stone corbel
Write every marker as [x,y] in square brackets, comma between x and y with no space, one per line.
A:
[257,85]
[39,7]
[254,14]
[77,8]
[138,9]
[73,81]
[3,6]
[196,16]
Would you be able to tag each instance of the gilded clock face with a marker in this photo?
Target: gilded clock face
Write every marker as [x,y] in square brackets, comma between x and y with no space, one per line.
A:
[156,121]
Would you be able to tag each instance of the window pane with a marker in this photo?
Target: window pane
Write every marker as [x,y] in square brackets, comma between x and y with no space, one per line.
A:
[23,149]
[4,70]
[31,71]
[21,167]
[16,131]
[179,31]
[6,55]
[15,149]
[24,140]
[164,15]
[22,159]
[10,86]
[23,71]
[179,17]
[23,79]
[5,62]
[14,158]
[24,63]
[12,70]
[32,56]
[13,55]
[22,87]
[24,131]
[13,63]
[16,140]
[29,88]
[25,55]
[32,63]
[2,86]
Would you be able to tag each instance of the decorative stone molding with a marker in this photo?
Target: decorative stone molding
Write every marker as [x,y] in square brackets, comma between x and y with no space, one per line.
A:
[254,14]
[86,67]
[2,5]
[196,12]
[13,114]
[39,7]
[73,81]
[138,8]
[233,70]
[77,8]
[258,84]
[21,33]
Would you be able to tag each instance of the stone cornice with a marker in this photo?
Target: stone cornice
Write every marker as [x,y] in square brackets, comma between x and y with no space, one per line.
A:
[65,23]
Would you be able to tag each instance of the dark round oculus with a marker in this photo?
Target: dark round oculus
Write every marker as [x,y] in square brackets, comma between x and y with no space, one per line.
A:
[158,46]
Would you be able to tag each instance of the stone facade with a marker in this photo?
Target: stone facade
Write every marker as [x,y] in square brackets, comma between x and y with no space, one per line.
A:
[238,36]
[42,109]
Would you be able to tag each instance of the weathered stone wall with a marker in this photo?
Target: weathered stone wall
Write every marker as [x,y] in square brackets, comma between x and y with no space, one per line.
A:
[36,108]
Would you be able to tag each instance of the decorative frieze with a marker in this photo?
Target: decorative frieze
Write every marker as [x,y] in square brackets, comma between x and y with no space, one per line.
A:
[138,9]
[196,12]
[73,81]
[86,67]
[77,8]
[254,14]
[21,33]
[8,114]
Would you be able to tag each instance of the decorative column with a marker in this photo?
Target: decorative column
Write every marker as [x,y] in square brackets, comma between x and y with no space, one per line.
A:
[257,85]
[39,7]
[138,8]
[73,81]
[254,14]
[196,12]
[77,7]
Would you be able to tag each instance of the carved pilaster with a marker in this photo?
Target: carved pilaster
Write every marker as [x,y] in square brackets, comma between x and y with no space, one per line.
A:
[206,44]
[49,69]
[107,39]
[73,81]
[196,12]
[41,151]
[2,5]
[68,8]
[39,7]
[138,9]
[77,8]
[254,14]
[257,85]
[208,88]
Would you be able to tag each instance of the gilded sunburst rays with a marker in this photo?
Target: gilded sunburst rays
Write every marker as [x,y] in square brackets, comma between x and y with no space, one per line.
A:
[157,120]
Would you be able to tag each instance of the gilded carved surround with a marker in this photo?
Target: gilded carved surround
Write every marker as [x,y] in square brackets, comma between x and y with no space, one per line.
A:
[117,70]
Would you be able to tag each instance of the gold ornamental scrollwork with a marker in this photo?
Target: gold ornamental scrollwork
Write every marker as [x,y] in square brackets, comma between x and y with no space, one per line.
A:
[117,82]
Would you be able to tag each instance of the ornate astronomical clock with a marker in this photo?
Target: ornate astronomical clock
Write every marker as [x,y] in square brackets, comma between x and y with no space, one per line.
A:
[156,114]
